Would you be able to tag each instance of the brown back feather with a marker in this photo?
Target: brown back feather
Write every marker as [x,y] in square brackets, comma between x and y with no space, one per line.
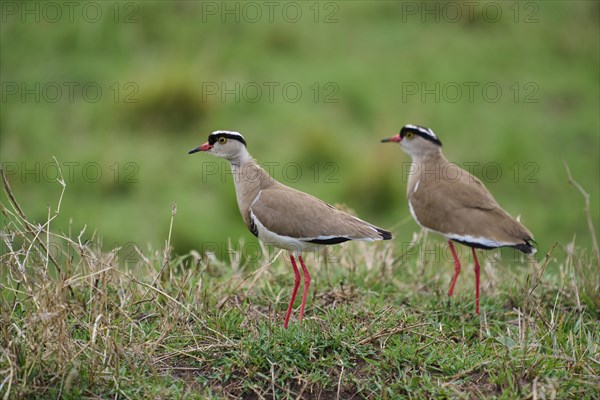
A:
[453,201]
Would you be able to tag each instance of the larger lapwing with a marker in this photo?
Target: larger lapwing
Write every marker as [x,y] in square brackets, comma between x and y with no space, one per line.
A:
[448,200]
[284,217]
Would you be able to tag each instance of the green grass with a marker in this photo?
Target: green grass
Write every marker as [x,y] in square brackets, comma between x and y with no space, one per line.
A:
[378,322]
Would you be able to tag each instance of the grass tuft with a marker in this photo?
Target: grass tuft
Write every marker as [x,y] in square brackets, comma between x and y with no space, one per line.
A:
[84,322]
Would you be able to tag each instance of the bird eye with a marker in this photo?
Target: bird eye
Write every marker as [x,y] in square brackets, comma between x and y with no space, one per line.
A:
[222,140]
[409,135]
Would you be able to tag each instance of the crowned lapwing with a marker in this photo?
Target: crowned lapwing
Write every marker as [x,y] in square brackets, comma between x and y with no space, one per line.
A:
[448,200]
[284,217]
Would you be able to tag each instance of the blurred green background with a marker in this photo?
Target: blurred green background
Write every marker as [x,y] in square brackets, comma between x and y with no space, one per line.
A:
[119,92]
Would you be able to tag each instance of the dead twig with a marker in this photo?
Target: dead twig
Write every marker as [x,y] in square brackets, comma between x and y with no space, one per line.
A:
[588,214]
[31,229]
[248,276]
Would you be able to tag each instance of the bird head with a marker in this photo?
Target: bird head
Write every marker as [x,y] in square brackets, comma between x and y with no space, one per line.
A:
[225,144]
[416,140]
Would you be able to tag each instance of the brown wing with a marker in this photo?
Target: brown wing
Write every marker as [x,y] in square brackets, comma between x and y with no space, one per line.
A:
[292,213]
[465,207]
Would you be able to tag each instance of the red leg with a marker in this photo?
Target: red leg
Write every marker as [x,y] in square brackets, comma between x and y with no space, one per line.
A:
[476,281]
[296,285]
[307,280]
[456,268]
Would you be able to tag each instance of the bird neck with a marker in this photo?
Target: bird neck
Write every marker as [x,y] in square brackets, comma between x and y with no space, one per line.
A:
[425,167]
[249,179]
[246,171]
[240,158]
[430,156]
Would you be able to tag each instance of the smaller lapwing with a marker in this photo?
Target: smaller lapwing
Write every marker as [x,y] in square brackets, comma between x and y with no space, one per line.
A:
[284,217]
[448,200]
